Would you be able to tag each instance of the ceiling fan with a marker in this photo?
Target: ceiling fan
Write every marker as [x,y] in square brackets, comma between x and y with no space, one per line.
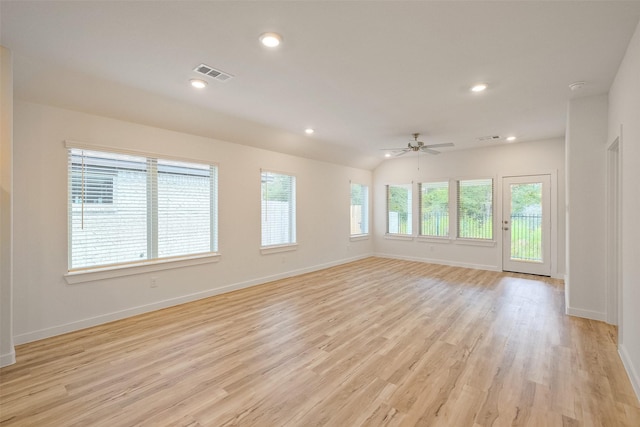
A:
[418,146]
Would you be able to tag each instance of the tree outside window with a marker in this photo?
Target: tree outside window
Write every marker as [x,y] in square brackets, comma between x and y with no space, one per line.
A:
[475,209]
[399,201]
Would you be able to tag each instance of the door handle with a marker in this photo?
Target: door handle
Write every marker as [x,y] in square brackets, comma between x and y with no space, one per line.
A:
[506,228]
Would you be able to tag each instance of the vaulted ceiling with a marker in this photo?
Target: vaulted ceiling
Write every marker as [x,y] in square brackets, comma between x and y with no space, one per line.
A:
[364,75]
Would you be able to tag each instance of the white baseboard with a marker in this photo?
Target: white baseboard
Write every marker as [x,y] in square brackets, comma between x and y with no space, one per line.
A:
[8,358]
[632,372]
[133,311]
[587,314]
[441,262]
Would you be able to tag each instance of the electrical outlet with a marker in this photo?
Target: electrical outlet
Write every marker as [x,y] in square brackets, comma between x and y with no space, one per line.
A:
[154,282]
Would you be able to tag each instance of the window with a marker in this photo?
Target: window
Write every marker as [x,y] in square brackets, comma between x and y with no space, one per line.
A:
[125,208]
[359,209]
[434,209]
[278,209]
[399,218]
[475,209]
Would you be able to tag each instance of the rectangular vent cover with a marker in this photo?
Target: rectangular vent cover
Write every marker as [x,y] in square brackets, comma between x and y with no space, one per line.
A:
[489,138]
[208,71]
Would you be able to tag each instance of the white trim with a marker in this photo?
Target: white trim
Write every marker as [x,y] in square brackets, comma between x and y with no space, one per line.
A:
[631,371]
[545,267]
[473,242]
[117,315]
[109,272]
[440,262]
[391,236]
[268,170]
[365,235]
[8,358]
[413,210]
[453,220]
[293,226]
[265,250]
[434,239]
[613,197]
[555,212]
[587,314]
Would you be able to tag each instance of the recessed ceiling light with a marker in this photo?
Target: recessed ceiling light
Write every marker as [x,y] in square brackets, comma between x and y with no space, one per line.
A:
[309,131]
[387,155]
[479,87]
[198,84]
[271,39]
[511,138]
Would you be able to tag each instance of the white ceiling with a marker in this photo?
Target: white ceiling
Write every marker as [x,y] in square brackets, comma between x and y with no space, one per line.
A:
[365,75]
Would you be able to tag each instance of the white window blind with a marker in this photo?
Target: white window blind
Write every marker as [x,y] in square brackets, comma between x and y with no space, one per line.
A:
[186,208]
[359,209]
[399,205]
[278,209]
[124,208]
[434,208]
[475,209]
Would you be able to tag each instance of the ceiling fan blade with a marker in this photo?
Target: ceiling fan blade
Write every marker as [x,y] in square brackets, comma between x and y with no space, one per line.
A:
[393,149]
[402,152]
[446,144]
[429,150]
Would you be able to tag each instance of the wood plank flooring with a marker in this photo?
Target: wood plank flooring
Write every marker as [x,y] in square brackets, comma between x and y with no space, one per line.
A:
[377,342]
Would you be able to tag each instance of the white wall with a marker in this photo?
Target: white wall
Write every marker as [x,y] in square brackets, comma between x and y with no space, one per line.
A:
[539,157]
[45,304]
[624,111]
[7,353]
[586,139]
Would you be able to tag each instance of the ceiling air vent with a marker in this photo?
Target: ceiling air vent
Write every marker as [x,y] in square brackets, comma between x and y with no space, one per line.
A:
[488,138]
[208,71]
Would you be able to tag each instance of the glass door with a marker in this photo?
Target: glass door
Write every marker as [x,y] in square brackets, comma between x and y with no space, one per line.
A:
[526,226]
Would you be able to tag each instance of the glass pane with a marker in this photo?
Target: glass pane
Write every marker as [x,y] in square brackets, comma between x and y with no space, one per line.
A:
[107,208]
[434,209]
[184,208]
[526,222]
[278,209]
[399,219]
[359,209]
[475,209]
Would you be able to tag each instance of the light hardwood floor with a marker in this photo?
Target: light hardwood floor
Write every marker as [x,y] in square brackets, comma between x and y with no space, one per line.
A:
[377,342]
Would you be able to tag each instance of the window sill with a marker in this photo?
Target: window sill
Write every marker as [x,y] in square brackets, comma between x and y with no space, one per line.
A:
[474,242]
[265,250]
[358,237]
[110,272]
[433,239]
[398,236]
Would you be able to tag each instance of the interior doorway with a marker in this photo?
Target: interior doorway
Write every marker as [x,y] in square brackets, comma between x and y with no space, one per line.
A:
[526,224]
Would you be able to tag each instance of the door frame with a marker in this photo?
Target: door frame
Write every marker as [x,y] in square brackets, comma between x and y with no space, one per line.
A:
[555,222]
[614,232]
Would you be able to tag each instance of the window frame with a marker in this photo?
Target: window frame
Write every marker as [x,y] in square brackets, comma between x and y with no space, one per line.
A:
[292,244]
[102,271]
[410,233]
[475,240]
[447,236]
[365,210]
